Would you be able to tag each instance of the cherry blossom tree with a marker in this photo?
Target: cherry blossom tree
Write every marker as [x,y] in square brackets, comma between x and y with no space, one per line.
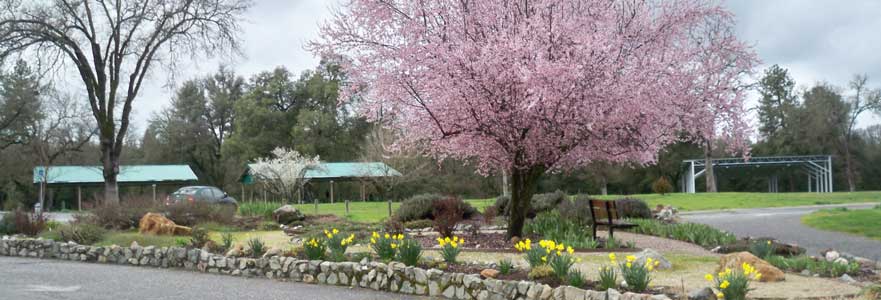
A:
[531,87]
[284,172]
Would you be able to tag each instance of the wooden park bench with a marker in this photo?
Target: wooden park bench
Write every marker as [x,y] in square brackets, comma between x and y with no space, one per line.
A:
[605,213]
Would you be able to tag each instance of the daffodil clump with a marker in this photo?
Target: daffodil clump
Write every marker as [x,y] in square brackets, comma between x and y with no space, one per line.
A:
[315,249]
[409,251]
[450,248]
[733,285]
[638,275]
[338,243]
[385,246]
[608,275]
[556,255]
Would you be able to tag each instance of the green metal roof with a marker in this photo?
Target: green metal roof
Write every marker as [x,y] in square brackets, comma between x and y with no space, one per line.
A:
[127,174]
[339,171]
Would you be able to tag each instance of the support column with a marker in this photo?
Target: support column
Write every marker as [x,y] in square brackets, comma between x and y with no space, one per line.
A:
[689,178]
[243,191]
[79,198]
[331,195]
[829,167]
[810,180]
[154,192]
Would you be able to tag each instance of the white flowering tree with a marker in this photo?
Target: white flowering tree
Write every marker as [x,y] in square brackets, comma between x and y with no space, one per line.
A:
[284,172]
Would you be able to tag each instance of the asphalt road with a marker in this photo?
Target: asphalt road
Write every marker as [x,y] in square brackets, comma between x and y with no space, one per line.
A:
[785,225]
[26,278]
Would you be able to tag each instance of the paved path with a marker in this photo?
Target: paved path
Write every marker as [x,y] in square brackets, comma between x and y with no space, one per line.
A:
[25,278]
[784,224]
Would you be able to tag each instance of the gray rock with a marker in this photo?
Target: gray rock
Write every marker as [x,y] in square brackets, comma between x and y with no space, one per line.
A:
[434,289]
[287,214]
[420,276]
[702,294]
[655,256]
[847,279]
[806,272]
[612,294]
[450,292]
[841,261]
[832,255]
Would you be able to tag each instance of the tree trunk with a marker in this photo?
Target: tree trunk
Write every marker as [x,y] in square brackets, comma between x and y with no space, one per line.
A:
[523,185]
[708,171]
[851,181]
[111,169]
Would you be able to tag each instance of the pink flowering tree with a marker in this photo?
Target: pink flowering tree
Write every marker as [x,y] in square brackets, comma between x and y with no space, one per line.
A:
[531,87]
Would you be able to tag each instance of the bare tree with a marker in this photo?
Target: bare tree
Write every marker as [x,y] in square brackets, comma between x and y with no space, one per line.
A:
[400,166]
[864,99]
[64,129]
[113,44]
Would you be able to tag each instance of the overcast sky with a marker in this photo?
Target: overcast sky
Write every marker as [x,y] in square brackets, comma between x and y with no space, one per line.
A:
[817,40]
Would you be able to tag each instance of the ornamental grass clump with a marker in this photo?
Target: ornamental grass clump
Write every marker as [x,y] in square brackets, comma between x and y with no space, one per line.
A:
[762,248]
[734,284]
[608,276]
[409,251]
[636,274]
[450,248]
[506,266]
[338,244]
[533,254]
[315,249]
[385,245]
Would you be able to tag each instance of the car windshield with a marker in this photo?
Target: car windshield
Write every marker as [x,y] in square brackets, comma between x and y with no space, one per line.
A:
[187,191]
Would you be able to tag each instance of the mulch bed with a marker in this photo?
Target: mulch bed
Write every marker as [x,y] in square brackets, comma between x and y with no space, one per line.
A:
[496,242]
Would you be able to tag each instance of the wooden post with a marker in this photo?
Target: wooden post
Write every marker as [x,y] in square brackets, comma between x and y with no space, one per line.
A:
[331,194]
[79,198]
[390,207]
[264,194]
[243,192]
[347,208]
[316,203]
[154,193]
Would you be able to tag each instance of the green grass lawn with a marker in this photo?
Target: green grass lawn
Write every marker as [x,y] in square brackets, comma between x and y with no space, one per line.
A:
[864,222]
[713,201]
[377,211]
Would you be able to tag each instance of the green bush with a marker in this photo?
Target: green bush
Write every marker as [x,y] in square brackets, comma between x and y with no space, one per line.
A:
[576,278]
[258,209]
[633,208]
[762,248]
[699,234]
[418,224]
[540,272]
[577,211]
[506,266]
[21,222]
[539,203]
[550,226]
[662,186]
[817,266]
[257,246]
[608,278]
[83,233]
[199,237]
[190,214]
[315,249]
[409,252]
[420,207]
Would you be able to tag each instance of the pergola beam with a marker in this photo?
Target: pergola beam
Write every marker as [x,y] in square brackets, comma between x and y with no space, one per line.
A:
[819,168]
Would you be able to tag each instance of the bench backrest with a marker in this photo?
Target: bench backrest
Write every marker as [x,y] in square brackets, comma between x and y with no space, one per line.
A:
[601,210]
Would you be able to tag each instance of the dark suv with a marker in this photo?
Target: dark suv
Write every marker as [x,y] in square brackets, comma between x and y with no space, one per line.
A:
[200,194]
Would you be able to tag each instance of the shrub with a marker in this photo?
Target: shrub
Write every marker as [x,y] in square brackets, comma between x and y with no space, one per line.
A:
[181,242]
[117,216]
[447,213]
[450,248]
[489,214]
[83,233]
[538,204]
[338,243]
[576,278]
[199,237]
[734,285]
[258,248]
[20,222]
[633,208]
[872,292]
[550,226]
[540,272]
[385,245]
[506,266]
[418,207]
[409,252]
[577,211]
[314,249]
[419,224]
[820,267]
[662,186]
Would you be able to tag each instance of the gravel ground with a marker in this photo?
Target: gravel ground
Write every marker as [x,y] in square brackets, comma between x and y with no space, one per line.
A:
[785,224]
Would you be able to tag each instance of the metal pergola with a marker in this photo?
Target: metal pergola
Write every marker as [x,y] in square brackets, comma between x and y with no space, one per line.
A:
[817,167]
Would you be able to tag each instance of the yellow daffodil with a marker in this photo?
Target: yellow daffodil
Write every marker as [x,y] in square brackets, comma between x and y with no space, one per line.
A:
[650,268]
[578,259]
[454,244]
[629,264]
[724,284]
[335,231]
[758,276]
[544,258]
[612,256]
[372,240]
[461,241]
[375,235]
[387,236]
[393,245]
[570,250]
[708,277]
[720,295]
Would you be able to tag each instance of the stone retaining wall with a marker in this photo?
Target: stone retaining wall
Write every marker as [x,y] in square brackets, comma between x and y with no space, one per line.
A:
[393,277]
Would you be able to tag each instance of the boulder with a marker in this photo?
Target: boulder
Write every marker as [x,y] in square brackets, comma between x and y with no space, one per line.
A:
[832,255]
[236,251]
[153,223]
[734,261]
[782,249]
[489,273]
[287,214]
[655,256]
[702,294]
